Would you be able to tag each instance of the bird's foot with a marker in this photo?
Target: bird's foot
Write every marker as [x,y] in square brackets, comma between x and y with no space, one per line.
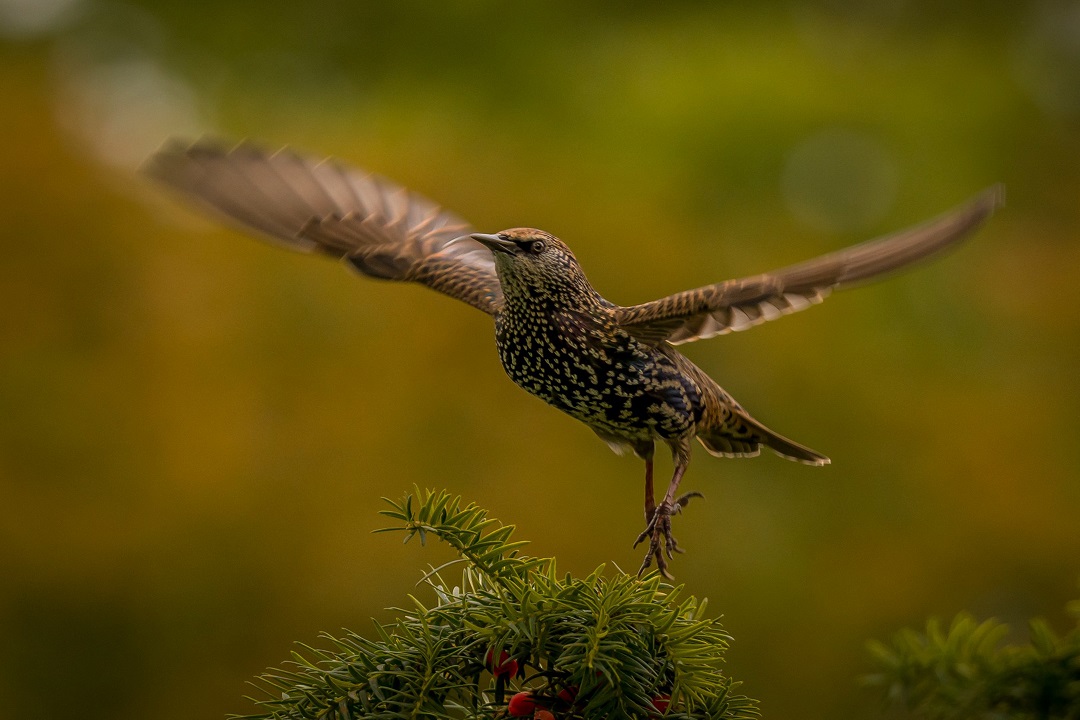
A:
[661,541]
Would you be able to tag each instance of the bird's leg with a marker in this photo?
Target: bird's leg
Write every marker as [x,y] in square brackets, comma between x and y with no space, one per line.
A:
[661,540]
[645,452]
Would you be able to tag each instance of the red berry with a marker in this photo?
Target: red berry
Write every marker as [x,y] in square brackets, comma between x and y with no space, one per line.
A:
[661,702]
[506,665]
[543,715]
[521,705]
[568,694]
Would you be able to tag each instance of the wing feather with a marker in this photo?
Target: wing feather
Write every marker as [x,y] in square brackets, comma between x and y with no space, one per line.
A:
[372,224]
[743,303]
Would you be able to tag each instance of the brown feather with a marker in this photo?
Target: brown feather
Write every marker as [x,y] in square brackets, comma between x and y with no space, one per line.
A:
[739,304]
[374,225]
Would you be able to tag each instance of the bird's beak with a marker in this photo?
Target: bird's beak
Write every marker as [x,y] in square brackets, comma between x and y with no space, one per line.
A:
[496,243]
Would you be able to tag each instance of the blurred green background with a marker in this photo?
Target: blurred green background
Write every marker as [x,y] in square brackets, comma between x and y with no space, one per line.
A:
[196,428]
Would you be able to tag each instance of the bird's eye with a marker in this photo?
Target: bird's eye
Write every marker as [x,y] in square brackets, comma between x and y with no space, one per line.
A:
[536,247]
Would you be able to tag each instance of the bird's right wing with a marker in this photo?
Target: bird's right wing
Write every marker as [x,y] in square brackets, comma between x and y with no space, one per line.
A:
[746,302]
[375,226]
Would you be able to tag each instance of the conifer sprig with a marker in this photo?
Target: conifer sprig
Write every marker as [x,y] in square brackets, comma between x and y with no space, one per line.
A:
[514,631]
[965,673]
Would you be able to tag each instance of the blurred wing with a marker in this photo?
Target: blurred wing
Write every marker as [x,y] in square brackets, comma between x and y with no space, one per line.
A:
[377,227]
[740,304]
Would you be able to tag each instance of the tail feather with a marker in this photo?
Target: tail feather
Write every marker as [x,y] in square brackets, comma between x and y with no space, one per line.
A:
[722,442]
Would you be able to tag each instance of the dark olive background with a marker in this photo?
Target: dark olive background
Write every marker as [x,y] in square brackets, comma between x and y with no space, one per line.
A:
[195,429]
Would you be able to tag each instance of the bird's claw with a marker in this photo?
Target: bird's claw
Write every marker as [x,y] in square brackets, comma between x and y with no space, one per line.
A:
[685,499]
[648,528]
[661,541]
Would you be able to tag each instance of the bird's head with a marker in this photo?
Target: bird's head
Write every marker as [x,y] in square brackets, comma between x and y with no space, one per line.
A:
[534,263]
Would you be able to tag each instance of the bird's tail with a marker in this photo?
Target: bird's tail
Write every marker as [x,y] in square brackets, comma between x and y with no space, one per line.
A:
[721,442]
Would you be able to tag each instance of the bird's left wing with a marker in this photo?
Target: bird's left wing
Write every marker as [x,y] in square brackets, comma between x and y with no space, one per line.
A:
[373,225]
[739,304]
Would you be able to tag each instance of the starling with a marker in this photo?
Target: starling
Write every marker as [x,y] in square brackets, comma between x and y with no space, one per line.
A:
[614,368]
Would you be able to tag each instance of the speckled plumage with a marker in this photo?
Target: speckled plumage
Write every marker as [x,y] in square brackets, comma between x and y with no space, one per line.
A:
[613,368]
[561,341]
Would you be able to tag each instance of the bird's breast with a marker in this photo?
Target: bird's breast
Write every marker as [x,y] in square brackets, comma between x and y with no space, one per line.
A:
[586,366]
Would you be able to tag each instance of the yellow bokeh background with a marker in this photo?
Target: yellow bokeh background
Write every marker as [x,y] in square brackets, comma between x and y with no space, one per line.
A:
[196,429]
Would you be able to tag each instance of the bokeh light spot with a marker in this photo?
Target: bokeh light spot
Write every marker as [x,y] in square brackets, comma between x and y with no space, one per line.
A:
[32,18]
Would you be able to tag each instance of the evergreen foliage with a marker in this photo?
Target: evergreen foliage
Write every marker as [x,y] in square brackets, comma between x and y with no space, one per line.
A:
[606,646]
[966,672]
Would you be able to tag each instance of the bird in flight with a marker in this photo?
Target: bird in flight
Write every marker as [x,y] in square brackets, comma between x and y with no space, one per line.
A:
[615,368]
